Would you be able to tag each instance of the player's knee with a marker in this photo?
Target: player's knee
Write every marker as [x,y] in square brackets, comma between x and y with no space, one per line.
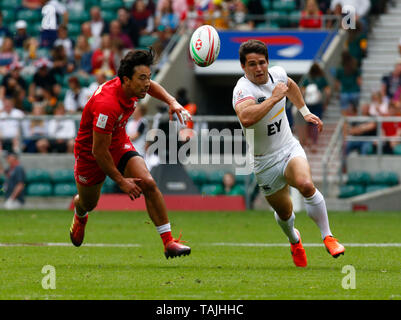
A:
[85,205]
[148,185]
[306,187]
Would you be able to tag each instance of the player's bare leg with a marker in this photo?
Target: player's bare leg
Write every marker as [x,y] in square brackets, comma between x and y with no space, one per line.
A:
[298,175]
[156,207]
[282,204]
[85,201]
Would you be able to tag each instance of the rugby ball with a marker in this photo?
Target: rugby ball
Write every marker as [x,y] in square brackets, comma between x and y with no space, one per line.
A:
[204,46]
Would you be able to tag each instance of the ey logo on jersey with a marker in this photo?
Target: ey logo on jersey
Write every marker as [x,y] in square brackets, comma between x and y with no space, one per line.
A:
[273,128]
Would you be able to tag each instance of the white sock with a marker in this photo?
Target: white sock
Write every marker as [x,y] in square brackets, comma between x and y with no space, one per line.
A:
[164,228]
[288,227]
[316,209]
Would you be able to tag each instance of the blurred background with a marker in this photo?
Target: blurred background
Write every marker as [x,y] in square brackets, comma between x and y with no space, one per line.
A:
[344,54]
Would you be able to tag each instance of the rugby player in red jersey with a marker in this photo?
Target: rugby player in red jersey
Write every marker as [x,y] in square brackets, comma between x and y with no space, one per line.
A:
[102,147]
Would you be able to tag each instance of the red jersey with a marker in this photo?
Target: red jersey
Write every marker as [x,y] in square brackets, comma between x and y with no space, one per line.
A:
[107,111]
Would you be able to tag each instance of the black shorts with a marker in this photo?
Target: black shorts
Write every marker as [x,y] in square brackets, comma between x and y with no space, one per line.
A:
[124,160]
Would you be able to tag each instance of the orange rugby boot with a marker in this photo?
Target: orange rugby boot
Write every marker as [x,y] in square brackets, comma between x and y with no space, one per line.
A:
[333,246]
[175,248]
[77,230]
[298,252]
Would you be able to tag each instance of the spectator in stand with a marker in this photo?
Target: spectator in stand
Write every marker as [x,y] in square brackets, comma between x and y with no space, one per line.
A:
[100,79]
[60,62]
[239,16]
[10,132]
[75,97]
[52,12]
[177,6]
[7,55]
[336,20]
[218,15]
[311,16]
[4,31]
[61,132]
[21,34]
[35,132]
[43,78]
[97,25]
[83,55]
[103,58]
[118,52]
[128,25]
[44,100]
[316,91]
[348,81]
[167,17]
[32,4]
[193,17]
[392,81]
[86,31]
[14,186]
[143,17]
[357,42]
[391,129]
[229,185]
[65,41]
[399,46]
[359,128]
[136,129]
[378,105]
[117,34]
[13,85]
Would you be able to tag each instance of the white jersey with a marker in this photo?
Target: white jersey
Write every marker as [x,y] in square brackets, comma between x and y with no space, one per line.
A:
[272,133]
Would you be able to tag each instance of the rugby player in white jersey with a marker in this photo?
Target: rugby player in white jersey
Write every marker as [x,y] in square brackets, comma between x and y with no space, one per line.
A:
[279,160]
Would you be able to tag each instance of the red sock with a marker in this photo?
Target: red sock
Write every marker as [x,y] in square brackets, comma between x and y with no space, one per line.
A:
[166,237]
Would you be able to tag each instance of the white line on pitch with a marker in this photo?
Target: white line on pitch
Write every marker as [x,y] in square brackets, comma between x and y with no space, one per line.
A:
[228,244]
[221,244]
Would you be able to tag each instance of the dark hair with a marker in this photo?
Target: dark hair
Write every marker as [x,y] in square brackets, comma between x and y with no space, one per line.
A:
[252,46]
[132,59]
[316,71]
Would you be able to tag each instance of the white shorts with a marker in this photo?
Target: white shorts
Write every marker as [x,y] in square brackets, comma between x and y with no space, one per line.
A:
[272,179]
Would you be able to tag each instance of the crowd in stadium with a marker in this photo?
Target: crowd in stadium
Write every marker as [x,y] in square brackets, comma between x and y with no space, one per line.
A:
[52,62]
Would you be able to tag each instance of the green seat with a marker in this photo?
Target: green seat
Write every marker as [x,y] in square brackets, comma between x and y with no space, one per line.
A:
[8,16]
[38,176]
[375,187]
[347,191]
[108,16]
[74,29]
[30,16]
[113,5]
[63,176]
[63,91]
[90,3]
[75,16]
[43,53]
[39,190]
[397,149]
[212,189]
[284,6]
[65,189]
[199,177]
[216,177]
[28,78]
[266,4]
[146,41]
[10,5]
[359,177]
[385,178]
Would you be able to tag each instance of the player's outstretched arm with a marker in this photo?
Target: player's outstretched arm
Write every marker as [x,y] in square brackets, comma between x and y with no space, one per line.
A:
[158,92]
[295,96]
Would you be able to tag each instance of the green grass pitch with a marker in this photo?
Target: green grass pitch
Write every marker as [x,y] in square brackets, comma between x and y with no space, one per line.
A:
[214,270]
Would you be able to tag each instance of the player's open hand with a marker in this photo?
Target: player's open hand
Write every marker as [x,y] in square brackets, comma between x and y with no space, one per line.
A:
[182,114]
[130,187]
[315,120]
